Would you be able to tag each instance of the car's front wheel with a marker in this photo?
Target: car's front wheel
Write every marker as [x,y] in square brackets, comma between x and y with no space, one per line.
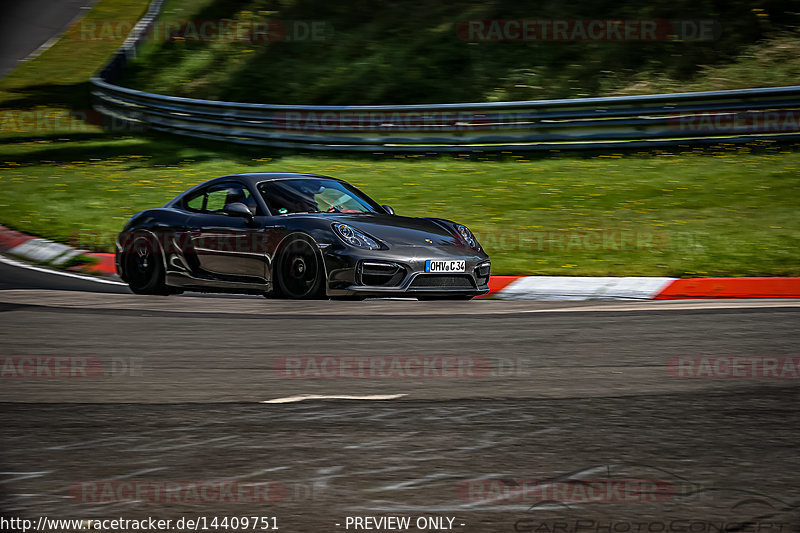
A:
[299,272]
[144,267]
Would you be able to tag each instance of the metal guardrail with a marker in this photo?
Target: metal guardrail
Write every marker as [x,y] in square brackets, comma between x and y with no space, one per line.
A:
[743,115]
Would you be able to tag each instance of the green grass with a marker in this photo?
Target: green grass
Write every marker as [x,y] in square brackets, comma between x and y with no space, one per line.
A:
[774,62]
[728,213]
[722,211]
[58,78]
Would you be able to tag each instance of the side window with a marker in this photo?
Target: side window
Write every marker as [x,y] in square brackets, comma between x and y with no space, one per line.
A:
[195,203]
[216,199]
[227,193]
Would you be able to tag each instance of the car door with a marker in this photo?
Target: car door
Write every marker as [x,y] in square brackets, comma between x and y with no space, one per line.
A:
[227,247]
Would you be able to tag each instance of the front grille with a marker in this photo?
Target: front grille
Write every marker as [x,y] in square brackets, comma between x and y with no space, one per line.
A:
[377,274]
[482,272]
[442,281]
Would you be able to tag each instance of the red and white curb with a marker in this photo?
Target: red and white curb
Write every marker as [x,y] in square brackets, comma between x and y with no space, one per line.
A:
[562,288]
[640,288]
[582,288]
[47,252]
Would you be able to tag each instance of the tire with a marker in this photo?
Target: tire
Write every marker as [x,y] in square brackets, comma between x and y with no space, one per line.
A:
[299,272]
[144,267]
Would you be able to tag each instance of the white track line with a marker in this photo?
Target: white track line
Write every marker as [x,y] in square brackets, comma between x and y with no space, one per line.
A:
[303,397]
[12,262]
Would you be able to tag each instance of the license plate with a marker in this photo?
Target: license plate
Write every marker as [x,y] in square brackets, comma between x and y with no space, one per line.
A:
[432,265]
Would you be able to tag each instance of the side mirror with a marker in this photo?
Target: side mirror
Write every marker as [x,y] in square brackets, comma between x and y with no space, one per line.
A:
[237,209]
[388,209]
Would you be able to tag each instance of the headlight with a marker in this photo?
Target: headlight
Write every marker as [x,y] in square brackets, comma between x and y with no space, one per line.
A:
[352,236]
[467,235]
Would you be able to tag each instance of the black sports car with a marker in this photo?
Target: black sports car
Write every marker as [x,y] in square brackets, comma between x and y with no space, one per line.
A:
[296,236]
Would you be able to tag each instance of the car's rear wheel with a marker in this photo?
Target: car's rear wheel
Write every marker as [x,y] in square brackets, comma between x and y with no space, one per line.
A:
[299,272]
[144,267]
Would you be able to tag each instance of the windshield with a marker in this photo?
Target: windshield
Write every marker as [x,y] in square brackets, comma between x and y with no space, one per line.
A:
[314,196]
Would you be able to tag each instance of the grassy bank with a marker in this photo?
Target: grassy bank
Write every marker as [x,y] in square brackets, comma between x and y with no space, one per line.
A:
[420,51]
[724,213]
[717,212]
[58,78]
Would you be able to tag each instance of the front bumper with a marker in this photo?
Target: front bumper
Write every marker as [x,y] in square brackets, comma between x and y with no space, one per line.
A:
[401,272]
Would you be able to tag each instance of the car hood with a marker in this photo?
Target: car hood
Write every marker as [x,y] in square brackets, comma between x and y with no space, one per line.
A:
[398,230]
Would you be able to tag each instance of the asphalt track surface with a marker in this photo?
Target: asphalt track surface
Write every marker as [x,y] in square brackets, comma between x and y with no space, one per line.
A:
[26,25]
[565,391]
